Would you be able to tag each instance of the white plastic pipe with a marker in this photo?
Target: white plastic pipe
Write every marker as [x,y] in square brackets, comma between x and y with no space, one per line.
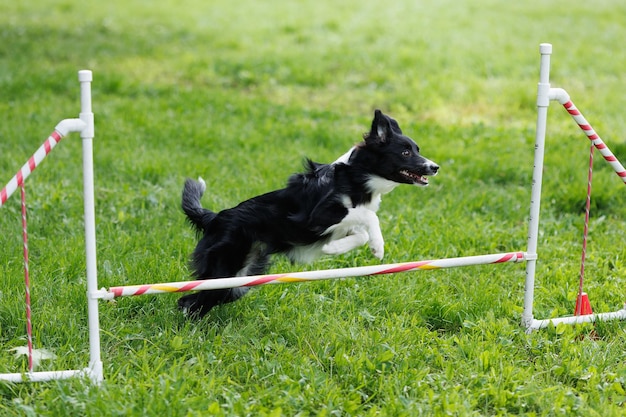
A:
[558,94]
[44,376]
[543,102]
[70,125]
[588,318]
[87,134]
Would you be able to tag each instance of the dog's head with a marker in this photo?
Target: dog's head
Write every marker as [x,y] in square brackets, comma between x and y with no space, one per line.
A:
[393,156]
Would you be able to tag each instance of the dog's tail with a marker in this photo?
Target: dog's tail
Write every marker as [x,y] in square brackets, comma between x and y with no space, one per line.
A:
[197,215]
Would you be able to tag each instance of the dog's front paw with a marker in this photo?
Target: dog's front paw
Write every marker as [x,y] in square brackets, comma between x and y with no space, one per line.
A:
[378,248]
[333,248]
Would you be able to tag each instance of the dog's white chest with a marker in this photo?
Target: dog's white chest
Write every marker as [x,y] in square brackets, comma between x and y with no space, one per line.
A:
[373,205]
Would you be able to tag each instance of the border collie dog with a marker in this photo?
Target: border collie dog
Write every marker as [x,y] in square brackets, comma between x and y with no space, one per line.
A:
[329,209]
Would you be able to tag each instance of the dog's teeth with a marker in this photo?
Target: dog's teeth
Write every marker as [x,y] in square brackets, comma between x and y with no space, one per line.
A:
[415,177]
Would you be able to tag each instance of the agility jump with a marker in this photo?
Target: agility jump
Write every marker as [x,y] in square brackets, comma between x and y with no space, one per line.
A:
[545,94]
[84,124]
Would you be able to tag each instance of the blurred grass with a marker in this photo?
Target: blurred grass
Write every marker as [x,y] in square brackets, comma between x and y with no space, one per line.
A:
[239,93]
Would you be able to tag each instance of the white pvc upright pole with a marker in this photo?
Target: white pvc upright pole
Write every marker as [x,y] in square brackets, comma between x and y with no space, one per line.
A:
[87,134]
[543,102]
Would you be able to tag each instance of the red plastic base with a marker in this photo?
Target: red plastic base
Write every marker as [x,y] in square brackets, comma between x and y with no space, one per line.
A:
[583,307]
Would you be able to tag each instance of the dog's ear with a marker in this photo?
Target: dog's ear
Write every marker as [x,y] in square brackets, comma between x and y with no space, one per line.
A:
[382,129]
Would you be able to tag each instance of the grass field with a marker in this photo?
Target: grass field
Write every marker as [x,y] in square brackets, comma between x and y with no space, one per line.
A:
[240,93]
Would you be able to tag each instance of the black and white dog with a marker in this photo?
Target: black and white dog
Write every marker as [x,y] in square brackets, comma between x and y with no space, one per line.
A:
[329,209]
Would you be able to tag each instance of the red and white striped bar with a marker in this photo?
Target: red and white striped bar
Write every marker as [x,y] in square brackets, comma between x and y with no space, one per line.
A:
[32,163]
[252,281]
[595,139]
[60,131]
[563,98]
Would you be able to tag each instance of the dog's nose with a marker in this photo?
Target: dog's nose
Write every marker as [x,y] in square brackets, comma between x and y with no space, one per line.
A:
[434,168]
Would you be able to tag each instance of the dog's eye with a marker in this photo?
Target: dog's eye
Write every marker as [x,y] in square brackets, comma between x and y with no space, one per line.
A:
[406,153]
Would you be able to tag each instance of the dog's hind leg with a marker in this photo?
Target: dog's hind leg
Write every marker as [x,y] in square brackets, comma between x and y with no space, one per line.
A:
[200,303]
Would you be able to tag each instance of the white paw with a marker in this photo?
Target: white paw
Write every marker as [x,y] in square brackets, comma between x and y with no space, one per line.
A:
[333,248]
[378,248]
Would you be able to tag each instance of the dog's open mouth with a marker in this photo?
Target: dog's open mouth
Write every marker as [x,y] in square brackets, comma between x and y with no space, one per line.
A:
[415,178]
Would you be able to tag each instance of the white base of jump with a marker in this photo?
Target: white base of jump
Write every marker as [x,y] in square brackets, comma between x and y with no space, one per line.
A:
[44,376]
[588,318]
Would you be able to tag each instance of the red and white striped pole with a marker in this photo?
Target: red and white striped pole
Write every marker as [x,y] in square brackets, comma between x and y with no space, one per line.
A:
[60,131]
[30,165]
[252,281]
[562,97]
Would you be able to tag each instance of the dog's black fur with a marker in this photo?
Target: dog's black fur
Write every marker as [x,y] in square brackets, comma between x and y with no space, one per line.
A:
[329,209]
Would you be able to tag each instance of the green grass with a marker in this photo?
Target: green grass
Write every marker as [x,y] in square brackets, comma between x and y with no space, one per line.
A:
[239,93]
